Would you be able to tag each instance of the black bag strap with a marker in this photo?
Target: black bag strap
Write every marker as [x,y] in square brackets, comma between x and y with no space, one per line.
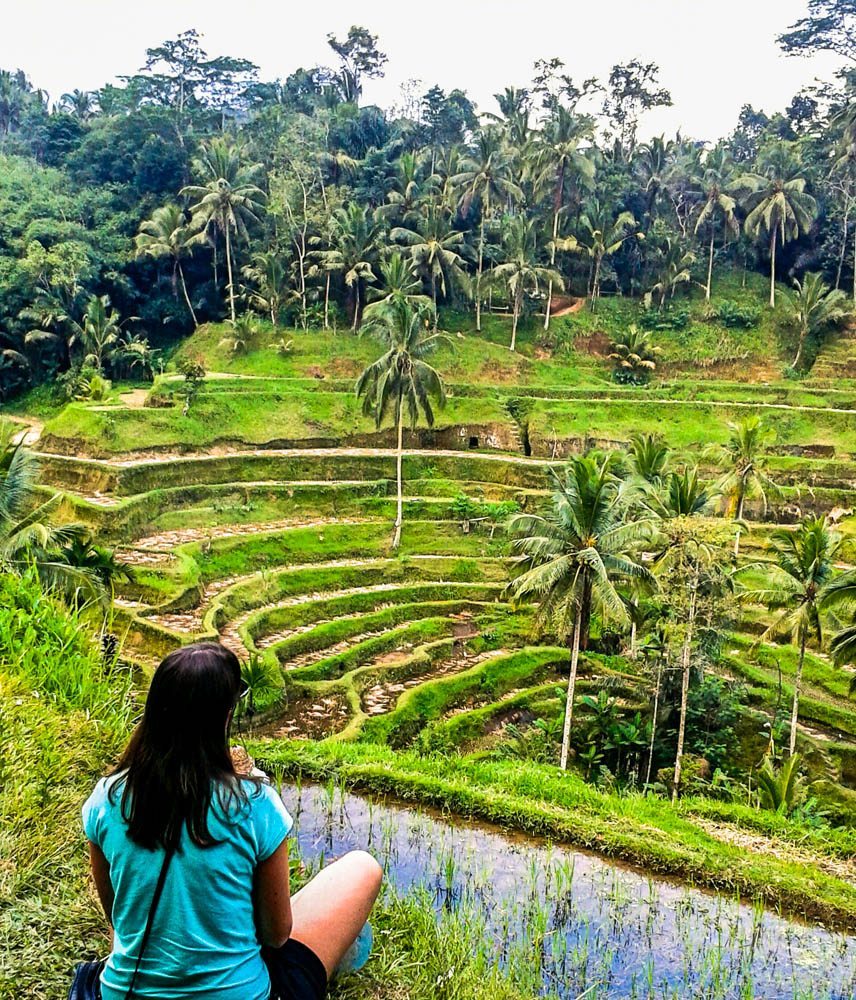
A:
[151,918]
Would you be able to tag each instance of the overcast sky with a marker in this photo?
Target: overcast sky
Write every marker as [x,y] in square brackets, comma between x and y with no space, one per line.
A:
[714,57]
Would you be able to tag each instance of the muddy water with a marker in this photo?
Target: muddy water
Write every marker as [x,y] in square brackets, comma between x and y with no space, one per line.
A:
[576,923]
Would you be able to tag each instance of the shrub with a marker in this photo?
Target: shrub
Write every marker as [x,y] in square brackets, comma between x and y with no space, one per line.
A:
[736,317]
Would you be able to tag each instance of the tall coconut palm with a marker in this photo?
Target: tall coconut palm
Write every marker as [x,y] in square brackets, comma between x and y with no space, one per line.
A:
[519,273]
[412,188]
[356,239]
[485,180]
[574,556]
[798,583]
[718,176]
[399,286]
[744,463]
[601,235]
[688,560]
[227,200]
[777,203]
[812,309]
[166,234]
[558,162]
[401,382]
[434,252]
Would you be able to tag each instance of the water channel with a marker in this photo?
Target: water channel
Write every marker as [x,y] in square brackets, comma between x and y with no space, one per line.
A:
[584,925]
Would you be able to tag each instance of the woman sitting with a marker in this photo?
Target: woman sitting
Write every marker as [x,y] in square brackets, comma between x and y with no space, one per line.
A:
[175,814]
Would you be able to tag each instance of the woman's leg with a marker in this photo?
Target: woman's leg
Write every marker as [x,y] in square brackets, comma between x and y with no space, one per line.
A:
[330,911]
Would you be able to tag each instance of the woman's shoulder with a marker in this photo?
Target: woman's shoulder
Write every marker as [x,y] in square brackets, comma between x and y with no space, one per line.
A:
[104,798]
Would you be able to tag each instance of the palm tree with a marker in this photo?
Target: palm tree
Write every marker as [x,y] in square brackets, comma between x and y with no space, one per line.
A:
[744,462]
[651,162]
[166,234]
[356,239]
[485,180]
[602,235]
[520,274]
[434,254]
[635,357]
[672,264]
[80,104]
[649,458]
[780,790]
[813,308]
[841,592]
[777,203]
[798,584]
[269,279]
[227,200]
[410,191]
[99,330]
[718,175]
[575,555]
[401,381]
[688,560]
[558,162]
[400,286]
[27,535]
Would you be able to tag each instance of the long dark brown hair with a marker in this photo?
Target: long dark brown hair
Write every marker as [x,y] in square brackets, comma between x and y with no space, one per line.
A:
[178,756]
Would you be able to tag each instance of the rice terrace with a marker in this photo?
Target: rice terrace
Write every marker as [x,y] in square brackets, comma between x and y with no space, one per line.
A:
[511,447]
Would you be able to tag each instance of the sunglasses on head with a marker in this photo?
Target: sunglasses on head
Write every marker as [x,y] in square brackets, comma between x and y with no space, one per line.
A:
[243,689]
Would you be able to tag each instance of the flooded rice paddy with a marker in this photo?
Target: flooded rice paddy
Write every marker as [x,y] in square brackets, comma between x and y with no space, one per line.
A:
[573,925]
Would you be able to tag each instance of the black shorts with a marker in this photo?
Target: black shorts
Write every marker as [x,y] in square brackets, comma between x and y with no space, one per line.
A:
[296,972]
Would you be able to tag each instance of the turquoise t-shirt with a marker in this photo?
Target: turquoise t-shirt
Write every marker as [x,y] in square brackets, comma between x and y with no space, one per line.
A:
[203,941]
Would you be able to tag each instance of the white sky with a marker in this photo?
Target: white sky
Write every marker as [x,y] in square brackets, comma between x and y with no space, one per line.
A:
[714,56]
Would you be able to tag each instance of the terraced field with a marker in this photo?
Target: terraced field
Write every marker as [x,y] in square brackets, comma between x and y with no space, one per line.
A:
[273,533]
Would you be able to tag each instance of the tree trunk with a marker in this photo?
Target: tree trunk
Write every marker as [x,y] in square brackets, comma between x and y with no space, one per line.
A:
[686,651]
[633,639]
[595,285]
[552,265]
[854,265]
[399,507]
[572,683]
[229,269]
[356,305]
[710,264]
[514,316]
[738,515]
[654,721]
[327,303]
[841,256]
[186,296]
[773,268]
[797,682]
[434,297]
[800,346]
[479,273]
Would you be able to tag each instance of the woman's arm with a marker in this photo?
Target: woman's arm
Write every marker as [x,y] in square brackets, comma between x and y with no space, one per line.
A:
[272,898]
[101,877]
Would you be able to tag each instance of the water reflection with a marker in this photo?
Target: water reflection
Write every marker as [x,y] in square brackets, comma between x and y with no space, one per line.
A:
[584,925]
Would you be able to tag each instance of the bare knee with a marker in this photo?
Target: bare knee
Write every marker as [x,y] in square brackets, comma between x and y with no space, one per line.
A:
[365,868]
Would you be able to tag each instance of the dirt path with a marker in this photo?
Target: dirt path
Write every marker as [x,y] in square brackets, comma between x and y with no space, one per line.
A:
[756,843]
[31,429]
